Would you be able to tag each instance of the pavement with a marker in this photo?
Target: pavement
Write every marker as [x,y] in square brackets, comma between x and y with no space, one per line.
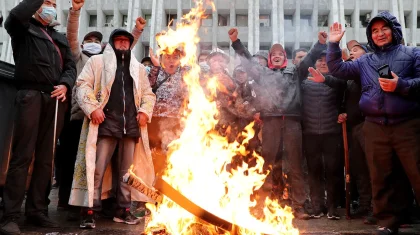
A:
[321,226]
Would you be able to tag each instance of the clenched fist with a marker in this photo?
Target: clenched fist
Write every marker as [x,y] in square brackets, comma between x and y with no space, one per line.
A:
[233,34]
[140,23]
[322,37]
[77,4]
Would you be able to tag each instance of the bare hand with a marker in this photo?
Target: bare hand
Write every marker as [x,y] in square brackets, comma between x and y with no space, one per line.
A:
[140,23]
[97,116]
[342,118]
[233,34]
[345,54]
[59,92]
[389,85]
[154,58]
[336,32]
[316,75]
[77,4]
[257,118]
[142,119]
[322,37]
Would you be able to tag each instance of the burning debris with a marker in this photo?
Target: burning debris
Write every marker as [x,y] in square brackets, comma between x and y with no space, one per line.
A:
[201,195]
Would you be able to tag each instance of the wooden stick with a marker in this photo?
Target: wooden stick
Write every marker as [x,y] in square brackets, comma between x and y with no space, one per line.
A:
[347,169]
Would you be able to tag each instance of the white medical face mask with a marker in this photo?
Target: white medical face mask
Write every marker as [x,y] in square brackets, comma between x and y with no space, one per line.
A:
[48,14]
[92,48]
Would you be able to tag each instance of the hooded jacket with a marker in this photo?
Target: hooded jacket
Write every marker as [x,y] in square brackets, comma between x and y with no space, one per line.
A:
[379,106]
[120,111]
[279,90]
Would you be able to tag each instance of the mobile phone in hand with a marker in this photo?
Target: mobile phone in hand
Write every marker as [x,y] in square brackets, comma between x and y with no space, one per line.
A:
[385,72]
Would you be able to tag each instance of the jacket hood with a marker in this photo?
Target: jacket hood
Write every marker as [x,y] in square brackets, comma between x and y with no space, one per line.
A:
[120,32]
[392,22]
[277,46]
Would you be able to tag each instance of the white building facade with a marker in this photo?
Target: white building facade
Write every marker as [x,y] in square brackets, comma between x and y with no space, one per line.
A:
[294,23]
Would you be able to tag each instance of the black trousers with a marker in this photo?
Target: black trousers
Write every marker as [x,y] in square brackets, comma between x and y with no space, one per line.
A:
[66,157]
[33,137]
[323,155]
[358,166]
[282,140]
[386,146]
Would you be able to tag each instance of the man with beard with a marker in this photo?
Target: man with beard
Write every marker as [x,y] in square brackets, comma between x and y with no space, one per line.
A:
[114,93]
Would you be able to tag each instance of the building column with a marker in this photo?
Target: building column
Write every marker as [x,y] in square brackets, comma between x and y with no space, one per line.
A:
[59,10]
[117,21]
[5,42]
[100,17]
[394,9]
[281,22]
[375,8]
[251,26]
[296,19]
[157,22]
[356,20]
[232,23]
[275,21]
[256,20]
[414,24]
[178,10]
[402,20]
[130,16]
[342,21]
[214,28]
[315,28]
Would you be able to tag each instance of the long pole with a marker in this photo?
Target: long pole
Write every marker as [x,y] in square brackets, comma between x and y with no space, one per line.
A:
[54,140]
[347,169]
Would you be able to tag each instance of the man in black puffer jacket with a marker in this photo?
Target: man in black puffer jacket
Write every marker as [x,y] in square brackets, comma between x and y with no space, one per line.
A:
[321,133]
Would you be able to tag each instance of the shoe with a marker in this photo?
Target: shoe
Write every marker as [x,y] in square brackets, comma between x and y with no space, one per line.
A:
[140,210]
[124,216]
[333,214]
[88,220]
[316,214]
[301,214]
[385,231]
[41,219]
[370,219]
[10,227]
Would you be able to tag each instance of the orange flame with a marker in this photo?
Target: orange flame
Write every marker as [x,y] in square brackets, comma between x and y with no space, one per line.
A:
[198,159]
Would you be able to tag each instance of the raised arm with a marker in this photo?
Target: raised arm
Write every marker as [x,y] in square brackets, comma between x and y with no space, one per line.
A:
[20,15]
[138,30]
[336,65]
[310,59]
[148,99]
[73,28]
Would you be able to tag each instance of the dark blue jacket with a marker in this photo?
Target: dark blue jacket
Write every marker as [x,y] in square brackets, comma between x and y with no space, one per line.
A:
[379,106]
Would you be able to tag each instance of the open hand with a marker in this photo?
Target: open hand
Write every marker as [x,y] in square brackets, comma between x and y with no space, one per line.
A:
[59,92]
[389,85]
[316,75]
[336,32]
[233,34]
[77,4]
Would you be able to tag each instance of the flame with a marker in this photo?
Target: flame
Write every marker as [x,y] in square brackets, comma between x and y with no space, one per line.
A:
[198,160]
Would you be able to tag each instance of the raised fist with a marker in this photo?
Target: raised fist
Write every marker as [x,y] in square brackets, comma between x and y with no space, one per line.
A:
[233,34]
[140,23]
[77,4]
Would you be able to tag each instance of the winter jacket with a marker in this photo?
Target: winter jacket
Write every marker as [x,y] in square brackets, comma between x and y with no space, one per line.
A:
[379,106]
[321,103]
[38,63]
[81,57]
[281,89]
[170,92]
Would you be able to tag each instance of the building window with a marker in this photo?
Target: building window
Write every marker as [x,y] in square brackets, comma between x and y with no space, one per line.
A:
[264,20]
[288,22]
[205,47]
[148,19]
[207,20]
[171,19]
[364,20]
[347,19]
[64,21]
[323,21]
[125,21]
[93,21]
[1,19]
[242,20]
[224,20]
[289,51]
[146,51]
[418,22]
[1,47]
[306,21]
[264,48]
[109,21]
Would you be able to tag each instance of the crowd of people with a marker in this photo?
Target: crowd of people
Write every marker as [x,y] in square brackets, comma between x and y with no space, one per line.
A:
[107,111]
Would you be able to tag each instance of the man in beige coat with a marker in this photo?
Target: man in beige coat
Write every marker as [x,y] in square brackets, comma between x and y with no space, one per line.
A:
[114,93]
[69,139]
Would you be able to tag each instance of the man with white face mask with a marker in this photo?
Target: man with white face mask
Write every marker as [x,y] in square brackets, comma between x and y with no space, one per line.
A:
[69,139]
[45,72]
